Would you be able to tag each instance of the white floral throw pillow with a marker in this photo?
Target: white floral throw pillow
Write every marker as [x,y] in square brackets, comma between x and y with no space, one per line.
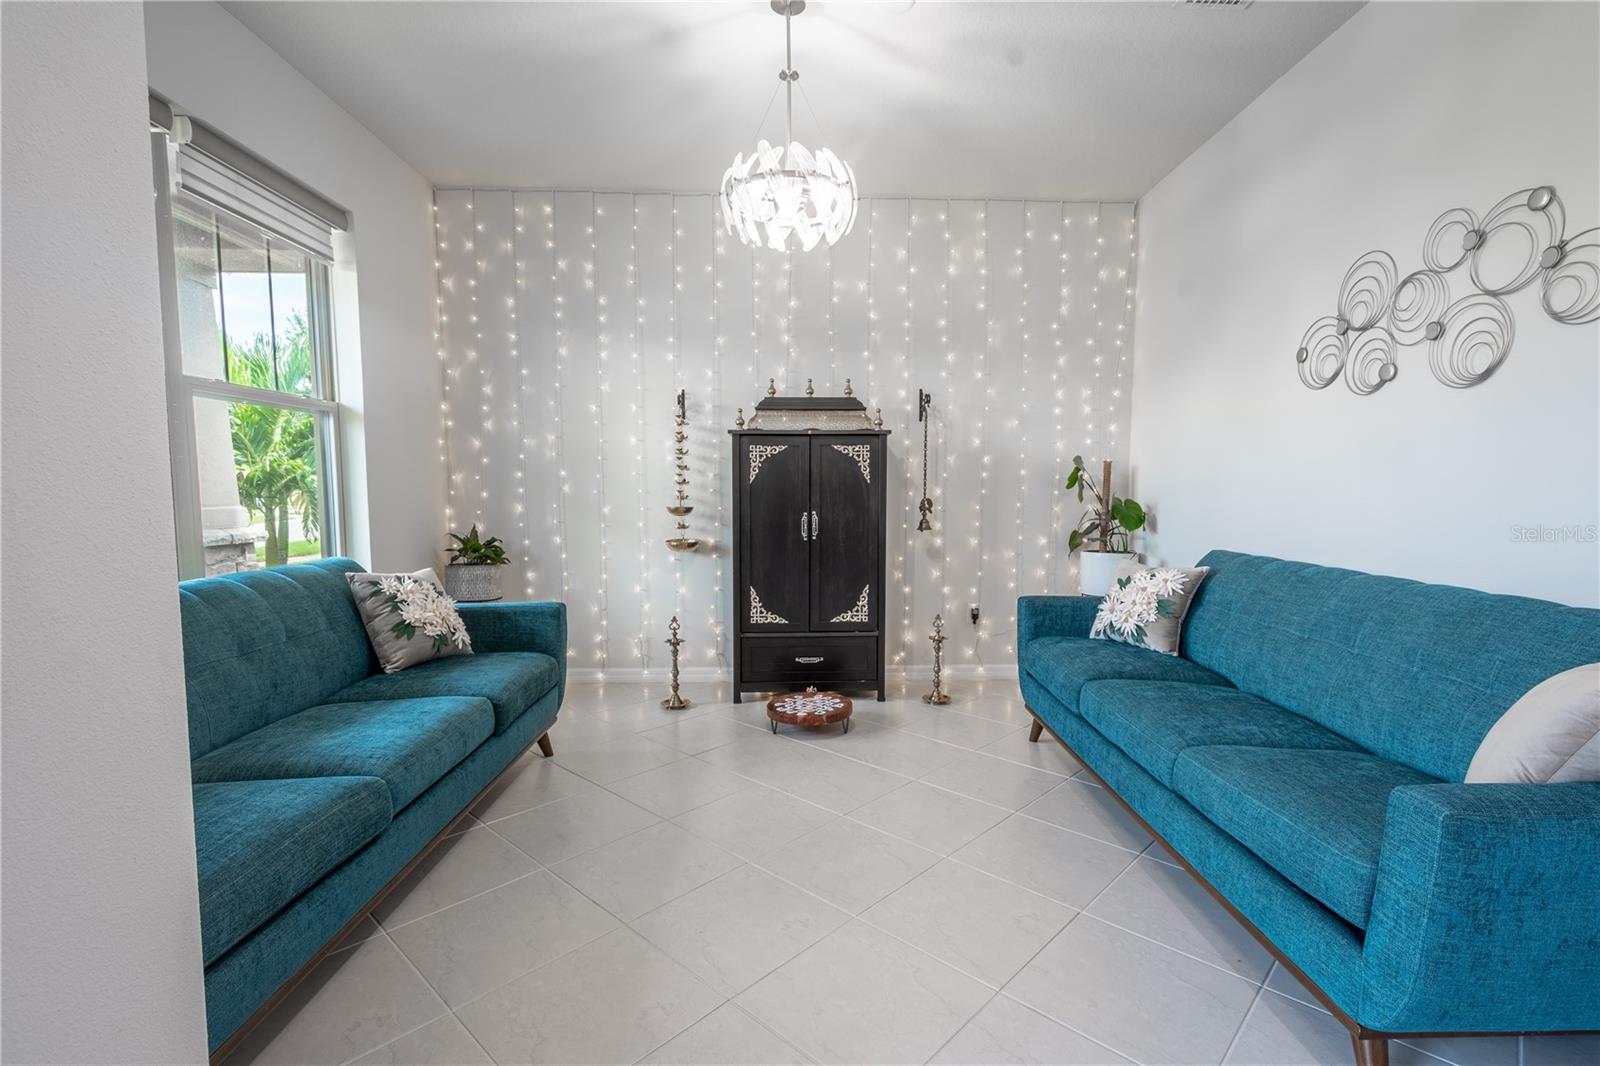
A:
[409,618]
[1145,607]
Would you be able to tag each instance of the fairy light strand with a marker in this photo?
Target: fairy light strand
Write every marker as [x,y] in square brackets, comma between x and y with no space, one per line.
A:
[1020,423]
[1053,581]
[640,420]
[717,614]
[980,438]
[519,398]
[601,607]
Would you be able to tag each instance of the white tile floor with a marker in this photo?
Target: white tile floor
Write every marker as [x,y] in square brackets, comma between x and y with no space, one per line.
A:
[684,887]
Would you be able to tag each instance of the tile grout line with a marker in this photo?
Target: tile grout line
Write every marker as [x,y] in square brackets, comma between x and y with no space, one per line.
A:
[686,1028]
[797,738]
[1244,1021]
[426,984]
[539,867]
[628,921]
[923,780]
[747,1013]
[1019,812]
[1179,951]
[1081,912]
[576,854]
[550,961]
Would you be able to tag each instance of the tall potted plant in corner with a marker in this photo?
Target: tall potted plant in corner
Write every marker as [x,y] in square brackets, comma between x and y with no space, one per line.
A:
[473,575]
[1103,531]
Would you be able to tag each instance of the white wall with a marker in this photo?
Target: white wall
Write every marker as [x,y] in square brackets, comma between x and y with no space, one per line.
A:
[1405,111]
[570,320]
[206,61]
[101,942]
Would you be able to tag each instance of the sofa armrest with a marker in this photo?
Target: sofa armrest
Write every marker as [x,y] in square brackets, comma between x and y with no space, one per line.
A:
[1054,616]
[1486,913]
[538,627]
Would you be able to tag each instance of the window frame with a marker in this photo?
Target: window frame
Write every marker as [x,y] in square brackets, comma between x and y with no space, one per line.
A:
[183,389]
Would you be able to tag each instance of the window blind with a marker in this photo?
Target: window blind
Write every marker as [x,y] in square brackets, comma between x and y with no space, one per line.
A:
[220,172]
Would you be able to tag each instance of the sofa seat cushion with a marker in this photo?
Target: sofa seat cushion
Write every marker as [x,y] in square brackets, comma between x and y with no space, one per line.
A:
[1154,722]
[511,680]
[1315,816]
[259,844]
[1065,664]
[410,744]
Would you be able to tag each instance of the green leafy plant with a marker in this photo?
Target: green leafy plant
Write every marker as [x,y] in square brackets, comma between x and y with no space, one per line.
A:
[275,450]
[1109,519]
[471,551]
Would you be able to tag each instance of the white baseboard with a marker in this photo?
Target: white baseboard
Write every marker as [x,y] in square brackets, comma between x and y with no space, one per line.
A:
[655,673]
[702,674]
[971,672]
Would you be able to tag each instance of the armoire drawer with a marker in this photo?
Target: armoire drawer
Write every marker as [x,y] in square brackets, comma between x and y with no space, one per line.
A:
[809,658]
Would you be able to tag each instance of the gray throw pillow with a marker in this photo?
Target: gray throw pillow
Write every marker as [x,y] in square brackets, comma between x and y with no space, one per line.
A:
[1146,606]
[1551,734]
[409,618]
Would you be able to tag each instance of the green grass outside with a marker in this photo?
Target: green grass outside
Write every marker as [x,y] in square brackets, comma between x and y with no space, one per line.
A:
[298,549]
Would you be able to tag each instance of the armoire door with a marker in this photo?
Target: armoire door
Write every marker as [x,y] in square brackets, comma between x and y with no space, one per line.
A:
[846,476]
[776,536]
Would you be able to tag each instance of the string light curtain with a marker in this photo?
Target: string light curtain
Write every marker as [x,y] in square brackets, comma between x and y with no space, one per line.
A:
[568,320]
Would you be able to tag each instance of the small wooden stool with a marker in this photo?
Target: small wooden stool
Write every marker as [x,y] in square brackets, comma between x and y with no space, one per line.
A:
[809,709]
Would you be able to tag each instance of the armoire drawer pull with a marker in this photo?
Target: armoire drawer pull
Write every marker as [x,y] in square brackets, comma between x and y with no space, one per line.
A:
[808,659]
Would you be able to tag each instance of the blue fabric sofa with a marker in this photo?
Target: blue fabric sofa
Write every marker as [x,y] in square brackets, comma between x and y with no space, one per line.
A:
[1304,757]
[317,778]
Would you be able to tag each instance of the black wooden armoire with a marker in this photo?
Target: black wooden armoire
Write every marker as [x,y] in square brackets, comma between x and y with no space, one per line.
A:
[809,546]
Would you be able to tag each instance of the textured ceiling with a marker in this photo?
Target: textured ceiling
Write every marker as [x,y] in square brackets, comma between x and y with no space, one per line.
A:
[1068,100]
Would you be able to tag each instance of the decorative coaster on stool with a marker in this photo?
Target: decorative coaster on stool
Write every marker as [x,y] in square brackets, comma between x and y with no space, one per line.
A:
[809,709]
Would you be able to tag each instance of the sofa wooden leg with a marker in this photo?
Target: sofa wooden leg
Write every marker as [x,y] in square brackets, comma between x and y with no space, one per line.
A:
[1034,730]
[1370,1050]
[544,746]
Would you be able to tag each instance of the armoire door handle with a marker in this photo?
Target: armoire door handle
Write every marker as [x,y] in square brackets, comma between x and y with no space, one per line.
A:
[803,526]
[816,527]
[808,659]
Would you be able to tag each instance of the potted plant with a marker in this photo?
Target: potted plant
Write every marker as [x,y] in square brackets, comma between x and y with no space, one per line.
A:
[472,576]
[1103,532]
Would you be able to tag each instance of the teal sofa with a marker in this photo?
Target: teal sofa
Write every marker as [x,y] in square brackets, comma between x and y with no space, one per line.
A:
[318,779]
[1304,758]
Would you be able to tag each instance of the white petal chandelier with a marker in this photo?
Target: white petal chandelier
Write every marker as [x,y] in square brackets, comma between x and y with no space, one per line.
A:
[783,191]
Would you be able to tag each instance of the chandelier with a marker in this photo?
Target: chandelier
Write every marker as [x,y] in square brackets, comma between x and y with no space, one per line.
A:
[786,190]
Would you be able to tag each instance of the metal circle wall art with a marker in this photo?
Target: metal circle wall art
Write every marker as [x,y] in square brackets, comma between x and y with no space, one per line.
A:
[1419,299]
[1450,240]
[1371,365]
[1320,359]
[1570,291]
[1475,340]
[1522,238]
[1367,289]
[1516,217]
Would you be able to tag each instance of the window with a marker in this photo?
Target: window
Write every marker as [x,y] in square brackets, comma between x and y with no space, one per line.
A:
[253,409]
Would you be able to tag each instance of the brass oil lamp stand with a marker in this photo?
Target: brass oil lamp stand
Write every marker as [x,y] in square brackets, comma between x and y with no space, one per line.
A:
[674,702]
[938,696]
[680,510]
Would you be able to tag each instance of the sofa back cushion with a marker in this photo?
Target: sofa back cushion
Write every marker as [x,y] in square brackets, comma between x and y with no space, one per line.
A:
[1412,672]
[262,644]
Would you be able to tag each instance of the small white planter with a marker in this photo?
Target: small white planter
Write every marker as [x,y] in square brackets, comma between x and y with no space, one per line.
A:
[1096,570]
[472,582]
